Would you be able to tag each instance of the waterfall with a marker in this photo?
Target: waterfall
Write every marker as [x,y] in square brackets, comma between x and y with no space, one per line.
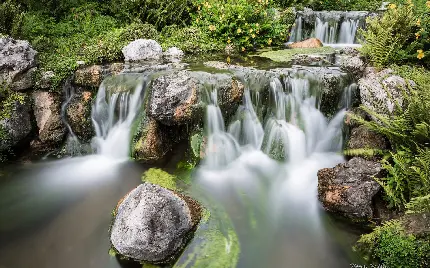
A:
[73,146]
[331,27]
[118,102]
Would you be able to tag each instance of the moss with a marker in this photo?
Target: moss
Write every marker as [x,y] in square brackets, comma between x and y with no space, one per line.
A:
[160,177]
[287,55]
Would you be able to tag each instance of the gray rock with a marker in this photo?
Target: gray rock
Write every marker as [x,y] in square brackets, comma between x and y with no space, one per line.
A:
[47,110]
[363,138]
[176,97]
[352,64]
[142,49]
[152,224]
[17,62]
[78,115]
[348,188]
[173,54]
[380,91]
[16,126]
[45,81]
[311,59]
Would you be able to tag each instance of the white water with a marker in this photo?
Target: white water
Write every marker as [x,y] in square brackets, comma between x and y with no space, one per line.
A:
[113,114]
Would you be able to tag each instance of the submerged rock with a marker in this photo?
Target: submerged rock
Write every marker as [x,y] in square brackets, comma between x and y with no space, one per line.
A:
[17,63]
[380,91]
[308,43]
[47,110]
[142,49]
[153,224]
[348,188]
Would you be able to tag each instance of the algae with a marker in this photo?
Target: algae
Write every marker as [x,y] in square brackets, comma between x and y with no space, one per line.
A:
[160,177]
[286,55]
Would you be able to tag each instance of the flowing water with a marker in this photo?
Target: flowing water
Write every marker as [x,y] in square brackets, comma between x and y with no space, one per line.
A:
[260,168]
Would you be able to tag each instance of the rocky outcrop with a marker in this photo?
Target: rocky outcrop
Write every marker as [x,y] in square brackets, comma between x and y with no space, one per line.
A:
[176,97]
[348,188]
[15,124]
[78,114]
[152,224]
[47,110]
[380,91]
[308,43]
[142,49]
[92,76]
[17,64]
[353,65]
[363,138]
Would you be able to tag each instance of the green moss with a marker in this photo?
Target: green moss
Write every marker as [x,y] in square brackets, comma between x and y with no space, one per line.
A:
[286,55]
[160,177]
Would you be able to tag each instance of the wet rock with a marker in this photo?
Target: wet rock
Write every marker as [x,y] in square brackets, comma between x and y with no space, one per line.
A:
[152,224]
[17,63]
[15,124]
[176,97]
[348,188]
[47,110]
[78,114]
[142,49]
[308,43]
[312,59]
[380,91]
[153,142]
[91,76]
[363,138]
[353,64]
[417,224]
[173,54]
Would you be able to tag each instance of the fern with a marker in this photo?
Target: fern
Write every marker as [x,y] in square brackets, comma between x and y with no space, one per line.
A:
[419,205]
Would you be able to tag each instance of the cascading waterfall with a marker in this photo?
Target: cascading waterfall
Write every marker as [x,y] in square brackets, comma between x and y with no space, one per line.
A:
[118,102]
[73,146]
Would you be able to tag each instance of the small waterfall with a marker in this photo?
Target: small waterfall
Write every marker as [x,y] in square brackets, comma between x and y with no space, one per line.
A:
[118,102]
[73,146]
[331,27]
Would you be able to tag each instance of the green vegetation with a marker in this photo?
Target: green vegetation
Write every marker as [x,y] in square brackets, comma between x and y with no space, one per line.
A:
[160,177]
[348,5]
[390,244]
[287,55]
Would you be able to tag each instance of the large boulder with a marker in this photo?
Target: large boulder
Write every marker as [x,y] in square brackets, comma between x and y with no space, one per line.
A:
[78,115]
[176,96]
[17,63]
[15,123]
[308,43]
[152,224]
[47,110]
[142,49]
[355,65]
[380,91]
[348,188]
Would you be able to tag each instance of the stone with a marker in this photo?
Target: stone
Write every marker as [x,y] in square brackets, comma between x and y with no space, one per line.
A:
[45,81]
[379,91]
[153,224]
[78,115]
[363,138]
[91,76]
[348,189]
[15,124]
[308,43]
[47,110]
[153,142]
[353,65]
[176,97]
[173,54]
[17,63]
[142,49]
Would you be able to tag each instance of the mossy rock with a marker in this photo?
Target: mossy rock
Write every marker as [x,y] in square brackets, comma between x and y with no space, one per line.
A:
[287,55]
[160,177]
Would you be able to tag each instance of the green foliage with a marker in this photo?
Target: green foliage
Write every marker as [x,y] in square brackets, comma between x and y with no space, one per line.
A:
[191,40]
[348,5]
[365,152]
[299,4]
[160,13]
[401,35]
[160,177]
[419,205]
[393,247]
[11,15]
[244,23]
[408,164]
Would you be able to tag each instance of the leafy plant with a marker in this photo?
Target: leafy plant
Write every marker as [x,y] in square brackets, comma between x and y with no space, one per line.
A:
[371,5]
[11,15]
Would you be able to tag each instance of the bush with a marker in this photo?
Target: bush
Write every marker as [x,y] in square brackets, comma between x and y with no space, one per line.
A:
[11,15]
[348,5]
[390,245]
[160,13]
[244,23]
[400,36]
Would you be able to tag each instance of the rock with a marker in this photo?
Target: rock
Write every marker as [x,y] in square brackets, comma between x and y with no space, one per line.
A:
[363,138]
[142,49]
[47,110]
[311,59]
[78,114]
[152,224]
[17,63]
[175,97]
[354,65]
[308,43]
[91,76]
[374,87]
[153,142]
[217,65]
[348,188]
[45,81]
[173,54]
[15,124]
[349,51]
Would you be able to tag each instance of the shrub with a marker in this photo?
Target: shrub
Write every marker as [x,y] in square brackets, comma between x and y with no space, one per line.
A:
[244,23]
[401,35]
[157,12]
[11,15]
[349,5]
